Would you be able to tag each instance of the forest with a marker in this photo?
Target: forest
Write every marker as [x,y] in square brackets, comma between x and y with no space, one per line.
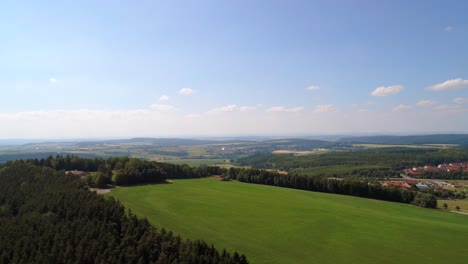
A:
[123,170]
[130,171]
[47,216]
[396,159]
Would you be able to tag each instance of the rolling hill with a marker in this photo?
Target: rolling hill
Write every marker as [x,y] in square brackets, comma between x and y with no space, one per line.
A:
[278,225]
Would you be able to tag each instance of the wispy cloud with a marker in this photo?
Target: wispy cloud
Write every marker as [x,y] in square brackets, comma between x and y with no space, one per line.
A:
[227,108]
[449,85]
[162,107]
[324,108]
[425,103]
[364,104]
[185,91]
[247,108]
[442,107]
[313,88]
[52,80]
[450,108]
[285,109]
[401,107]
[164,98]
[460,100]
[387,91]
[232,108]
[448,28]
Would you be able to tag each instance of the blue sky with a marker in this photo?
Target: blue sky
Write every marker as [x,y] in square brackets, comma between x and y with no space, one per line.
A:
[100,68]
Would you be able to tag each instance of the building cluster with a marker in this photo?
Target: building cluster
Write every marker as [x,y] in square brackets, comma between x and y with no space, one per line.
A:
[421,185]
[450,167]
[406,184]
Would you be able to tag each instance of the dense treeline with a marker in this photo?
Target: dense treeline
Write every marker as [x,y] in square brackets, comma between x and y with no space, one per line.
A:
[448,175]
[36,155]
[373,173]
[394,159]
[347,187]
[49,217]
[124,170]
[347,172]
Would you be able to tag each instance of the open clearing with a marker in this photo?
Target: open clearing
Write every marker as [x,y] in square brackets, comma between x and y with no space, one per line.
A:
[452,204]
[279,225]
[301,152]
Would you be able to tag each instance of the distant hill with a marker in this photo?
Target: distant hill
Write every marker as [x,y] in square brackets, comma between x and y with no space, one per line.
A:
[459,139]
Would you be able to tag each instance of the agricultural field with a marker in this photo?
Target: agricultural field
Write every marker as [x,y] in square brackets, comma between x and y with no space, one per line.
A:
[301,152]
[279,225]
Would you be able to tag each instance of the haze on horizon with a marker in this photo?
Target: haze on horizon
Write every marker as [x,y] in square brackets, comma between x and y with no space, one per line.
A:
[94,69]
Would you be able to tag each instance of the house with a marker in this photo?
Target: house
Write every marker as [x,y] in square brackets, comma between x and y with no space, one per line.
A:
[411,182]
[405,186]
[422,186]
[78,173]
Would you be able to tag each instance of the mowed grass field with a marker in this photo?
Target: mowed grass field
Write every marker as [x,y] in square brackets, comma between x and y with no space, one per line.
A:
[279,225]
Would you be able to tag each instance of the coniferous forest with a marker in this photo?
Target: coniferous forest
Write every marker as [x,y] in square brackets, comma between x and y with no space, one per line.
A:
[127,171]
[47,216]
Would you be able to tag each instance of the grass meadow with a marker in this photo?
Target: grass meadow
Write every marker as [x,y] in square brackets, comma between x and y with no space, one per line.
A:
[279,225]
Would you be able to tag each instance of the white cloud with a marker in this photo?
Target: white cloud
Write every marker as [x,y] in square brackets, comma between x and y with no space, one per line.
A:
[285,109]
[227,108]
[324,108]
[460,100]
[162,107]
[247,108]
[425,103]
[313,88]
[185,91]
[401,107]
[232,108]
[48,124]
[448,28]
[449,84]
[52,80]
[386,91]
[164,98]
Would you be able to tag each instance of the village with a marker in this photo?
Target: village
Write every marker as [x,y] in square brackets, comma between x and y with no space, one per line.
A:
[450,167]
[414,177]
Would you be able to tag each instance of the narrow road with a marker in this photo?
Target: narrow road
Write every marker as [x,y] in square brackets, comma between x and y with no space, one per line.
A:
[459,212]
[406,177]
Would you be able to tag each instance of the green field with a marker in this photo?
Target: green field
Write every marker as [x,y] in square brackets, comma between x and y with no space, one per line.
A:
[278,225]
